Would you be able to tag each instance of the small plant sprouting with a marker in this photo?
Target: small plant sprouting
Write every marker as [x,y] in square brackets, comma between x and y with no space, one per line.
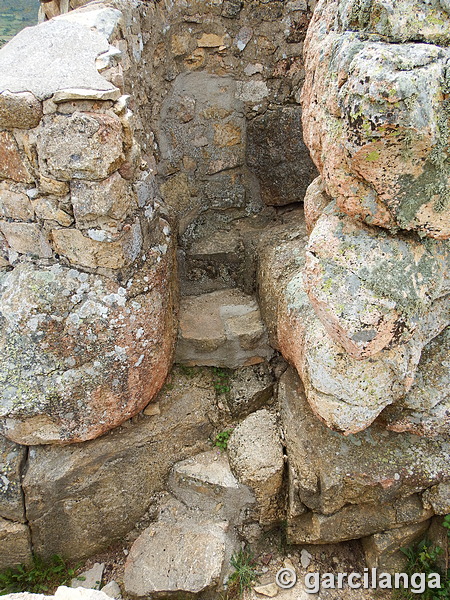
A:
[221,380]
[40,577]
[221,439]
[244,575]
[188,372]
[423,558]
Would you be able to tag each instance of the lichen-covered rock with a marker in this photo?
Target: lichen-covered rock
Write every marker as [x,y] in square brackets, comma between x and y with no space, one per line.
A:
[12,460]
[347,393]
[438,497]
[371,289]
[81,498]
[398,20]
[375,116]
[374,467]
[425,409]
[82,353]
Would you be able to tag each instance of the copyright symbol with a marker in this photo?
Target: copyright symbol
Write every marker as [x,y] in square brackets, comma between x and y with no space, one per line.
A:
[286,578]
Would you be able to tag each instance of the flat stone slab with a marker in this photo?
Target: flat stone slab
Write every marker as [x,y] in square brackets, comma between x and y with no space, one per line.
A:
[56,55]
[223,329]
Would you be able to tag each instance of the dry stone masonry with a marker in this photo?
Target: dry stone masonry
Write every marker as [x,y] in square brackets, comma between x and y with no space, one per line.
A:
[158,204]
[87,290]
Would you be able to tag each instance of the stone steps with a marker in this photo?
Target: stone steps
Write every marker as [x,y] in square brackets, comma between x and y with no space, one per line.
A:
[222,329]
[188,549]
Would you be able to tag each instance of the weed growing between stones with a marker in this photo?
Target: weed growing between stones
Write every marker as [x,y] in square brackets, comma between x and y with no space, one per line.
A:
[221,380]
[244,574]
[41,577]
[221,439]
[423,558]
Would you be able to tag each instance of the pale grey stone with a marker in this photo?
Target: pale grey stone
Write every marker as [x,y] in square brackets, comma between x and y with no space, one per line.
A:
[154,566]
[112,589]
[91,579]
[256,458]
[206,481]
[55,55]
[103,19]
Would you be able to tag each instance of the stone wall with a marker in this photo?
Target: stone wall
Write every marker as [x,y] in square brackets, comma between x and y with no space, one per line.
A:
[148,149]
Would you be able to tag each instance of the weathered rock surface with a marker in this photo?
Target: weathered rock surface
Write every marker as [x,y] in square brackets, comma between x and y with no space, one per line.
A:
[223,329]
[26,238]
[154,566]
[250,389]
[62,593]
[281,258]
[20,110]
[83,497]
[206,482]
[425,409]
[82,145]
[12,459]
[256,458]
[117,351]
[15,545]
[90,579]
[332,472]
[401,21]
[355,521]
[278,156]
[347,393]
[12,164]
[367,103]
[101,204]
[438,497]
[315,202]
[99,249]
[56,55]
[370,289]
[382,550]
